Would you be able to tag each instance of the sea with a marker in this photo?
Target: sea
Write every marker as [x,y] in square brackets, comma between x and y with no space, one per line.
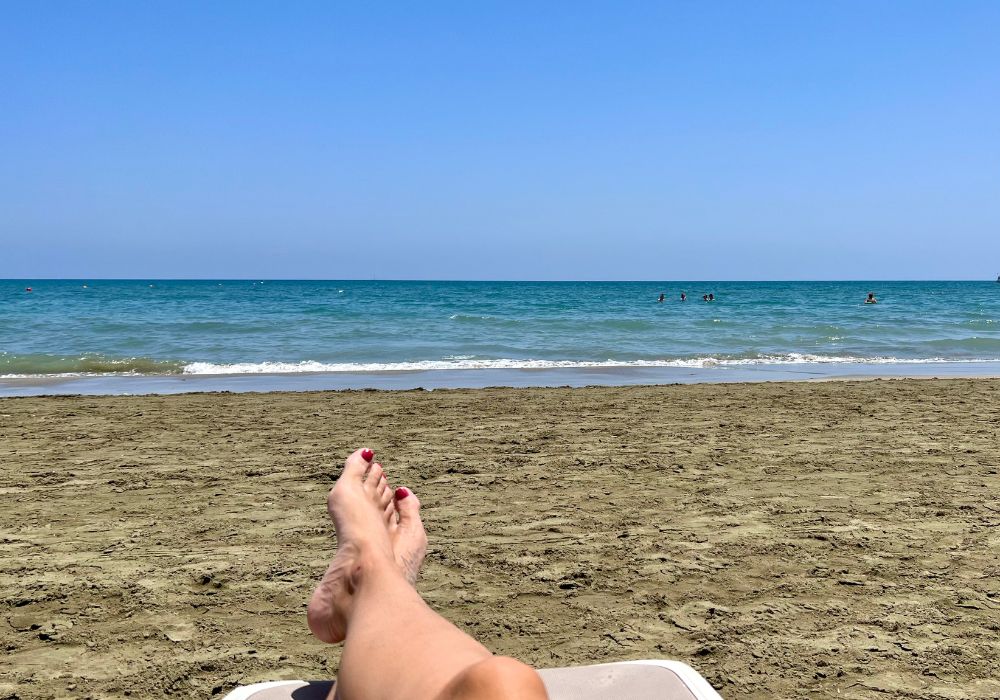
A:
[140,336]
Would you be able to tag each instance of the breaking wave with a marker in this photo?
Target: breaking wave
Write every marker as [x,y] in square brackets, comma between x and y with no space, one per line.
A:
[466,363]
[59,366]
[46,366]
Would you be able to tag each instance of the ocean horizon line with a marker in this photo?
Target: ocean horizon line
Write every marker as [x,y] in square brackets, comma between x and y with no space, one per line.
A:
[497,280]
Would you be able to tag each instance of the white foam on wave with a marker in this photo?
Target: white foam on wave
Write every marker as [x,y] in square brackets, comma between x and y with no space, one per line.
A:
[465,363]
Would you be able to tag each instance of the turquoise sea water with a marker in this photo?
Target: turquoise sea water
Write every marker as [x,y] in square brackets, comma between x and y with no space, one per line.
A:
[219,327]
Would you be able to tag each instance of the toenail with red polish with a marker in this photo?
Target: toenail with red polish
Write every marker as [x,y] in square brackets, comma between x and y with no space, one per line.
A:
[401,493]
[367,454]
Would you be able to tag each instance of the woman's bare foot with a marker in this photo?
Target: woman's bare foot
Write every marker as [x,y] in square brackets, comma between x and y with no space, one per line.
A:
[376,527]
[356,504]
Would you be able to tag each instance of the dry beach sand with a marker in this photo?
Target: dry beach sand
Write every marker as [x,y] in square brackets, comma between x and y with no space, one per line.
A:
[788,540]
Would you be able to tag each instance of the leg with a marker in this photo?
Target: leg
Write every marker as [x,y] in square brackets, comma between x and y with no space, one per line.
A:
[395,646]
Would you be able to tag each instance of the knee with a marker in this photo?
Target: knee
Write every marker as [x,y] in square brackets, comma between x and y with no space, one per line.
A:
[497,678]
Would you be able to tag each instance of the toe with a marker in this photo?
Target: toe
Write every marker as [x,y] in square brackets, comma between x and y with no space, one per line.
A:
[389,514]
[384,492]
[408,507]
[356,465]
[375,475]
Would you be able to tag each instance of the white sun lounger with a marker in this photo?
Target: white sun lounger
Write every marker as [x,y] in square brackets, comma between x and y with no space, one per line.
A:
[626,680]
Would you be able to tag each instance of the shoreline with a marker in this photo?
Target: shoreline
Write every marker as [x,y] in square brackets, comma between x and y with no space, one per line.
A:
[403,380]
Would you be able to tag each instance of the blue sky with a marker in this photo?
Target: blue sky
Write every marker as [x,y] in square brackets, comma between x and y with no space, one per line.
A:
[481,140]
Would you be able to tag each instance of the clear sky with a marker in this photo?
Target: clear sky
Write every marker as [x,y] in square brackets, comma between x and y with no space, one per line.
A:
[500,140]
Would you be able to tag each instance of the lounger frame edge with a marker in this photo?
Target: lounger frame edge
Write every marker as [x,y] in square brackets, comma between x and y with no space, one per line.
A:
[243,692]
[695,682]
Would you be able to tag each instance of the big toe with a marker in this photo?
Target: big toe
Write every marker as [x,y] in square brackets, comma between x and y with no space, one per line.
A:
[358,464]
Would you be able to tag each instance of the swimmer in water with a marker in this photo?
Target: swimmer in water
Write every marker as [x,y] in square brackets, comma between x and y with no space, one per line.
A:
[711,297]
[684,296]
[871,298]
[662,297]
[704,297]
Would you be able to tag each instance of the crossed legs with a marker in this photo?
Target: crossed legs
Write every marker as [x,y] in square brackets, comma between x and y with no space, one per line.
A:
[395,646]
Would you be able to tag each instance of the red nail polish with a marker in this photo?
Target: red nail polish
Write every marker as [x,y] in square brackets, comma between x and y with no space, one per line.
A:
[367,454]
[401,493]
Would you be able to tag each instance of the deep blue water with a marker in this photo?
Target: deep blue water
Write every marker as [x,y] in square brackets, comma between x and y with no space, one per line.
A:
[208,327]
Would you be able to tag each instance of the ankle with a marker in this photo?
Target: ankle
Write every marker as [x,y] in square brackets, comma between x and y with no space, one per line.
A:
[369,564]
